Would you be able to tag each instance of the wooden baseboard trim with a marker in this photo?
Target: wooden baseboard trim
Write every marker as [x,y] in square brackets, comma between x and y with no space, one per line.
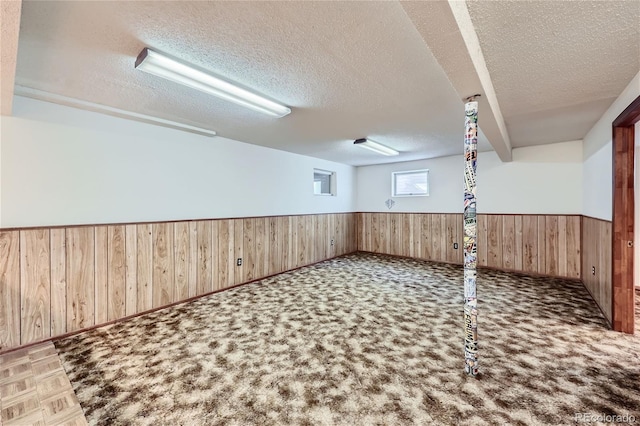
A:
[531,274]
[490,268]
[479,213]
[190,299]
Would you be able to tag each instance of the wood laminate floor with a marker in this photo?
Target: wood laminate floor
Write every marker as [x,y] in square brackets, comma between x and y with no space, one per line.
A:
[35,390]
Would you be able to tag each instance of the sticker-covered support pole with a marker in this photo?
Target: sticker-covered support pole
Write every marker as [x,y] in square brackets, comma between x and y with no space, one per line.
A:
[470,237]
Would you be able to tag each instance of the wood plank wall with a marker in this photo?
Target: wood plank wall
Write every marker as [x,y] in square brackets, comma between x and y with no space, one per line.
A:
[419,235]
[58,280]
[539,244]
[596,253]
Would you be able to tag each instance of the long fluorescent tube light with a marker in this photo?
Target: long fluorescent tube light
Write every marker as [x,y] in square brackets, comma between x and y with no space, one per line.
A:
[163,66]
[41,95]
[375,147]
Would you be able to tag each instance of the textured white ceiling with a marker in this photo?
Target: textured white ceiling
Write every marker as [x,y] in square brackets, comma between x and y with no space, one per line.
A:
[347,69]
[556,66]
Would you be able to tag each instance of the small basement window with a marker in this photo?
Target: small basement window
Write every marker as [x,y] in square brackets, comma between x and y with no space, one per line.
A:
[324,182]
[411,183]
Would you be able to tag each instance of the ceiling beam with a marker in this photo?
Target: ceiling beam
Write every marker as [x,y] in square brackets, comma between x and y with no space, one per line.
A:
[447,30]
[10,28]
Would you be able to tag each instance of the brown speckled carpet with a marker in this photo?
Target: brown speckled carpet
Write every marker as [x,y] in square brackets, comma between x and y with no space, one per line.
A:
[637,320]
[360,340]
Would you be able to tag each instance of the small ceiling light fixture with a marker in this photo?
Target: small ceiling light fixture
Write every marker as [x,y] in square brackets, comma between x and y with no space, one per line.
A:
[163,66]
[375,146]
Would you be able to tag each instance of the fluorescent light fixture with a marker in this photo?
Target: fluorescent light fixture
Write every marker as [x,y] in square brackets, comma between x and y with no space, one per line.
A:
[41,95]
[163,66]
[375,147]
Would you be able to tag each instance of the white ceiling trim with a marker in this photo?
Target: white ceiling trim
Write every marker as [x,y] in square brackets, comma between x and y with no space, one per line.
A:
[104,109]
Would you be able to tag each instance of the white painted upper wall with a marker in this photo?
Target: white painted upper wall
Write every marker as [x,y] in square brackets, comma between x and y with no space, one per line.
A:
[544,179]
[597,181]
[597,172]
[445,186]
[64,166]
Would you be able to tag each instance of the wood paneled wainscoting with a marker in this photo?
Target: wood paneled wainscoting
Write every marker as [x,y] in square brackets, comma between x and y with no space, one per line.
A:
[539,244]
[59,280]
[596,261]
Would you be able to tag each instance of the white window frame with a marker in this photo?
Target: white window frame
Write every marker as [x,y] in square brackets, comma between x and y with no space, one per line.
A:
[332,182]
[404,172]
